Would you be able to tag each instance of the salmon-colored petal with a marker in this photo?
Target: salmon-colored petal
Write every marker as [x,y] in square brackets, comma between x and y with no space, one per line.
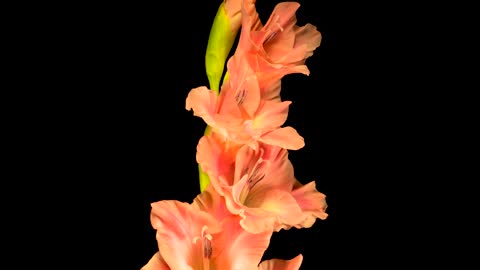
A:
[286,137]
[271,115]
[227,102]
[277,170]
[278,203]
[281,17]
[279,264]
[278,48]
[241,250]
[270,88]
[215,156]
[307,39]
[262,208]
[244,160]
[254,219]
[207,156]
[275,71]
[233,247]
[278,36]
[248,95]
[244,86]
[177,225]
[291,45]
[303,69]
[212,202]
[250,22]
[265,168]
[203,102]
[236,194]
[312,202]
[261,189]
[156,263]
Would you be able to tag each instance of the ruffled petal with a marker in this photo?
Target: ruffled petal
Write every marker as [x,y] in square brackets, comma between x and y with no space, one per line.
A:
[212,202]
[216,155]
[241,250]
[307,39]
[312,202]
[203,102]
[156,263]
[271,115]
[278,37]
[244,86]
[286,137]
[277,203]
[279,264]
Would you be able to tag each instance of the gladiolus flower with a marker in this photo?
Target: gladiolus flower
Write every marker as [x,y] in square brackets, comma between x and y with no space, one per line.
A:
[200,236]
[279,47]
[259,185]
[226,115]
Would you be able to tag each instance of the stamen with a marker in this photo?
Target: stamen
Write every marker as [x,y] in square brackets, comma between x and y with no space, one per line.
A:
[260,178]
[269,37]
[274,33]
[254,176]
[240,96]
[207,243]
[253,179]
[279,27]
[207,248]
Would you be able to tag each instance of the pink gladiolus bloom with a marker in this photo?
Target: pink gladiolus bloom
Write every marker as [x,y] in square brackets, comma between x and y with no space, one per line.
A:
[279,47]
[259,185]
[245,118]
[249,108]
[190,238]
[184,235]
[278,264]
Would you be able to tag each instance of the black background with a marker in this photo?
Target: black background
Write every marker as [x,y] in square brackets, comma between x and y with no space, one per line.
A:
[125,140]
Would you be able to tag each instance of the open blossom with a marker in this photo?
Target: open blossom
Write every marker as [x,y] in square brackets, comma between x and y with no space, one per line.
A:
[270,51]
[280,46]
[202,236]
[245,118]
[211,202]
[260,186]
[183,235]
